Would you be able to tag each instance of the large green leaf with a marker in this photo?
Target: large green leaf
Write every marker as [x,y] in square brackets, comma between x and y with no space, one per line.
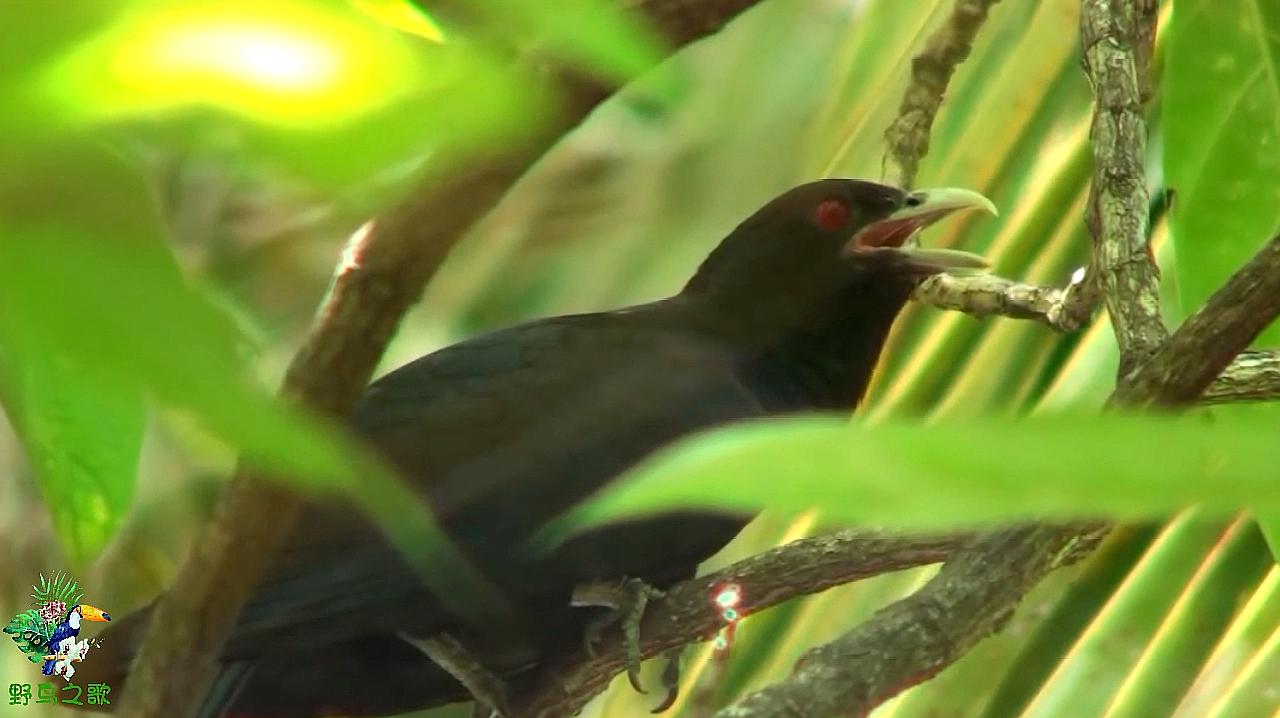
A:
[597,34]
[83,436]
[914,475]
[1222,139]
[104,313]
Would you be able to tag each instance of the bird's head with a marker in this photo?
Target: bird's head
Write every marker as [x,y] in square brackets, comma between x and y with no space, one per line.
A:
[834,242]
[91,613]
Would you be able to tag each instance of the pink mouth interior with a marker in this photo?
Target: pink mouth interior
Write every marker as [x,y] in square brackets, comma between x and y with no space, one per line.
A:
[893,232]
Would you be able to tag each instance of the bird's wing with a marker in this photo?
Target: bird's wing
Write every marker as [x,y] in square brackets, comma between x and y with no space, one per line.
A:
[502,433]
[30,631]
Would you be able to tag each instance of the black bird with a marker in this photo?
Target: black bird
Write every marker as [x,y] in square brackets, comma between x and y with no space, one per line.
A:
[505,431]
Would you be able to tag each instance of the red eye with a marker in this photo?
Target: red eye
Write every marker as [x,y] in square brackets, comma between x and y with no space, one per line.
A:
[831,214]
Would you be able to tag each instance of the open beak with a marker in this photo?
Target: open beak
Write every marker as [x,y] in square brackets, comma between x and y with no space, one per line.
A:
[923,208]
[93,613]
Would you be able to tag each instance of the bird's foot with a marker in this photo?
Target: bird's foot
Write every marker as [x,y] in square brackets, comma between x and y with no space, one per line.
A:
[486,689]
[627,601]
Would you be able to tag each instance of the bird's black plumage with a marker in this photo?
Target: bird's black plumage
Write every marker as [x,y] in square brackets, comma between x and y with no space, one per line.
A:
[503,432]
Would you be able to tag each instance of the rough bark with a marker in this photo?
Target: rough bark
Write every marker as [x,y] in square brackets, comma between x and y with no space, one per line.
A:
[931,70]
[686,614]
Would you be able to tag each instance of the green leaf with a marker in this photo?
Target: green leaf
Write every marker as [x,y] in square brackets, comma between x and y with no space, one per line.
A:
[1222,139]
[102,299]
[83,437]
[911,475]
[597,34]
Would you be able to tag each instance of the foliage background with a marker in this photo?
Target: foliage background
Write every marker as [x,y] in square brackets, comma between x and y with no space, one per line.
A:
[253,194]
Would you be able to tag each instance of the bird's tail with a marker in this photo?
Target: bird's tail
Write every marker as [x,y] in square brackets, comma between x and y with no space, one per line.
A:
[47,668]
[222,693]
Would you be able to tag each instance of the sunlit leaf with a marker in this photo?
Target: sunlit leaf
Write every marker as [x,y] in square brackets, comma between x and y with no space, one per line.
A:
[1106,650]
[1222,139]
[598,35]
[298,84]
[309,63]
[403,15]
[83,438]
[980,471]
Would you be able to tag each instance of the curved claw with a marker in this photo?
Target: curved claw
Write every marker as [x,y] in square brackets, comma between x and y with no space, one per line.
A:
[670,680]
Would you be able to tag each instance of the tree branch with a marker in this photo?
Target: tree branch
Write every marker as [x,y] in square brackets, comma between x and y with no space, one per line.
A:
[384,270]
[802,567]
[982,295]
[1252,376]
[931,70]
[911,640]
[1115,36]
[1211,338]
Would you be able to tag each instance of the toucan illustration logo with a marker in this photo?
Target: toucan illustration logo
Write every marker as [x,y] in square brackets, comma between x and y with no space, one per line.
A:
[48,631]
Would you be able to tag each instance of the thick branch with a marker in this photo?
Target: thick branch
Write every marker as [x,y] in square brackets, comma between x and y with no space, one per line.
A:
[1253,376]
[931,70]
[383,273]
[1114,36]
[799,568]
[1211,338]
[911,640]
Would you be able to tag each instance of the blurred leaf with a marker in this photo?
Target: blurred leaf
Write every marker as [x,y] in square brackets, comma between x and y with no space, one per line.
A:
[83,438]
[1204,609]
[320,88]
[1104,653]
[1254,624]
[33,37]
[402,15]
[599,35]
[84,256]
[980,471]
[1269,524]
[1044,649]
[1222,139]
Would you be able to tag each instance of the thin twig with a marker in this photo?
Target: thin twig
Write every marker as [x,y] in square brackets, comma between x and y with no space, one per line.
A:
[383,273]
[931,70]
[984,295]
[1251,376]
